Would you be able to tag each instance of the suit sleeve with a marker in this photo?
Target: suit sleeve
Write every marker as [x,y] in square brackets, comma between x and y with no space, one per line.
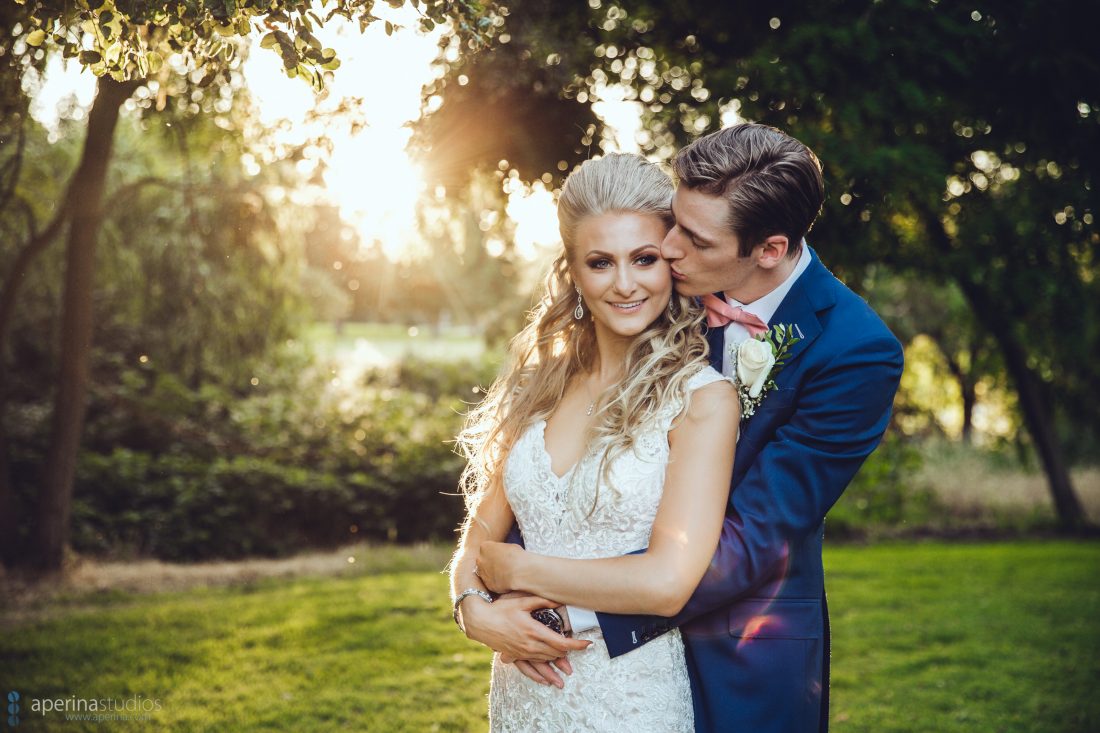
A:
[842,413]
[515,536]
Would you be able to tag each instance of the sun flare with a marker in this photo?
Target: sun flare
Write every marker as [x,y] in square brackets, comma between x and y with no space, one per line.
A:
[377,188]
[368,173]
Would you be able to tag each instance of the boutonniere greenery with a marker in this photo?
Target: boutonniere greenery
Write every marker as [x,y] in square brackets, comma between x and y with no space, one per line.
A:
[756,362]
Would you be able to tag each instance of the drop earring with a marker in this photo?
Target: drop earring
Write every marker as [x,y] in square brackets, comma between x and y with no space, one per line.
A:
[578,312]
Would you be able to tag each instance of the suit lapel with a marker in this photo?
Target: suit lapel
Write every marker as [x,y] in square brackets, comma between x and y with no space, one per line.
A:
[797,312]
[810,295]
[716,337]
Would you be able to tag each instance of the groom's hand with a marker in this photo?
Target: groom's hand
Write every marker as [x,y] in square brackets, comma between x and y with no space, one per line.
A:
[544,672]
[506,626]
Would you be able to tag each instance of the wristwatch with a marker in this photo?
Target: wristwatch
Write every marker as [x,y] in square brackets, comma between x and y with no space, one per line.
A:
[549,618]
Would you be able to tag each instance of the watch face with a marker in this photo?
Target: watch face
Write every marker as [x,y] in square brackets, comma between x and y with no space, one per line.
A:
[549,618]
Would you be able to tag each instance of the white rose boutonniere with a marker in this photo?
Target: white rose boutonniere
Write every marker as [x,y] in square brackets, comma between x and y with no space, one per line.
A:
[757,361]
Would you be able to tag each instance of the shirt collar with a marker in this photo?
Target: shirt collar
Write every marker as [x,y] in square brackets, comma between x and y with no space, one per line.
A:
[765,306]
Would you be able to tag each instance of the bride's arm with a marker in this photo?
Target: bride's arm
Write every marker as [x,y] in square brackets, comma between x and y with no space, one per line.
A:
[488,521]
[685,531]
[506,625]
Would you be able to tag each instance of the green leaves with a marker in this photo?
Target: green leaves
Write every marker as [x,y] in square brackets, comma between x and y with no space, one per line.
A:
[781,338]
[154,61]
[113,37]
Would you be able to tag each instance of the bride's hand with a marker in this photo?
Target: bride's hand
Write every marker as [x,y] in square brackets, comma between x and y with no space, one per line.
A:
[544,673]
[497,563]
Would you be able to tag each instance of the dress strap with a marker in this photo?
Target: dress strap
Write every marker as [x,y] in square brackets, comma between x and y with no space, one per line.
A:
[703,377]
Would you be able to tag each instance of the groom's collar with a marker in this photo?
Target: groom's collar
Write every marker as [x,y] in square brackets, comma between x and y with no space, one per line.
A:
[811,293]
[765,306]
[807,287]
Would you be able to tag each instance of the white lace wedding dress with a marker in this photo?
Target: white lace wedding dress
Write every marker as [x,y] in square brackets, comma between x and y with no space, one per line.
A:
[646,689]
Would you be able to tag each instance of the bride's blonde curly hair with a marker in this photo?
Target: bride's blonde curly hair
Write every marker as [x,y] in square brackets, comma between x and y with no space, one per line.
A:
[554,348]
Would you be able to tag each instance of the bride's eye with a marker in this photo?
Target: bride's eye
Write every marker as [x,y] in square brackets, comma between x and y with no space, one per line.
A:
[600,264]
[646,259]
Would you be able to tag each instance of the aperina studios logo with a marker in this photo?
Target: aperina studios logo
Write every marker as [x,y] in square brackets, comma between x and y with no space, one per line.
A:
[97,709]
[13,708]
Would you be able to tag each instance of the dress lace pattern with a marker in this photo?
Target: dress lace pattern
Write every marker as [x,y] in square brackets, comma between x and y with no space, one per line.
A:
[578,515]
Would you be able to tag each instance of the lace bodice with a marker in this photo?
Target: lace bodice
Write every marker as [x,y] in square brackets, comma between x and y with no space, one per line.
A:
[580,515]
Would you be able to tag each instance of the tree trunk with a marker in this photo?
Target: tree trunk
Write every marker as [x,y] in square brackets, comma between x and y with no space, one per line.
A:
[969,398]
[9,547]
[37,242]
[1034,405]
[1037,413]
[85,201]
[966,390]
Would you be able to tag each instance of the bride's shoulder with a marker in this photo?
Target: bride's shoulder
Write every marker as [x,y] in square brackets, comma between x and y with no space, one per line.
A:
[711,401]
[705,384]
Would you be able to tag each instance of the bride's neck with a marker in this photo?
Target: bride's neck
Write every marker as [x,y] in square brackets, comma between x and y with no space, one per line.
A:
[610,357]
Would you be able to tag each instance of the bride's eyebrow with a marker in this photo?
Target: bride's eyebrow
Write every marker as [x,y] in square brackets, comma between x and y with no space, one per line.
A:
[633,253]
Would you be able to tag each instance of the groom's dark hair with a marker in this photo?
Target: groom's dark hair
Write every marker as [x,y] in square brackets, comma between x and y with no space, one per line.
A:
[771,181]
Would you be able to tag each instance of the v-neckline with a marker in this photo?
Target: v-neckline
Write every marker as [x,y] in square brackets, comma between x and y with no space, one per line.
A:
[550,459]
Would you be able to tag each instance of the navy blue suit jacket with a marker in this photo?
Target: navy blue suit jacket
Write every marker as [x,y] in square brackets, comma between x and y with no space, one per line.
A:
[756,630]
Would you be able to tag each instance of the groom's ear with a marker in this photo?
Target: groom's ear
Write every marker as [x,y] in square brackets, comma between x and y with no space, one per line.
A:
[772,251]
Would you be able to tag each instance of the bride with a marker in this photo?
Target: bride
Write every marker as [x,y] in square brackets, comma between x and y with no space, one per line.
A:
[607,433]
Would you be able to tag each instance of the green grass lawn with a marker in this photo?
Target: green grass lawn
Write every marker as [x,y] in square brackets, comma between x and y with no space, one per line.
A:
[927,637]
[993,637]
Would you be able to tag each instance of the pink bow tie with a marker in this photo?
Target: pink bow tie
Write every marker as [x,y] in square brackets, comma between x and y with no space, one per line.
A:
[720,313]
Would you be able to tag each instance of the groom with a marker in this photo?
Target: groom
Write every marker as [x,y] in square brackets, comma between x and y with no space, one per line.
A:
[756,630]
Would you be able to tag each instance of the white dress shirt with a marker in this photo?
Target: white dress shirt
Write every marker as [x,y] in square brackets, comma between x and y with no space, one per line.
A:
[764,307]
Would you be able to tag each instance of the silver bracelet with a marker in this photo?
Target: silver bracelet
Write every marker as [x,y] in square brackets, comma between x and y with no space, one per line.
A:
[465,594]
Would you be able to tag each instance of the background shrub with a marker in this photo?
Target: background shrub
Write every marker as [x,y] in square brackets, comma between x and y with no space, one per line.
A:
[193,474]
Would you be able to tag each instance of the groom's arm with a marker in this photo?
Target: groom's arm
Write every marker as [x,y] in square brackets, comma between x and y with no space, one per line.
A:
[841,416]
[578,619]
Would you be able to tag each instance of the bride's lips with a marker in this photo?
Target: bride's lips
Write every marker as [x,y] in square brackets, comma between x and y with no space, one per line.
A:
[629,306]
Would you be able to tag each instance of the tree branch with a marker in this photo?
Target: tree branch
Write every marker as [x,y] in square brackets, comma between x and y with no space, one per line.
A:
[9,171]
[34,246]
